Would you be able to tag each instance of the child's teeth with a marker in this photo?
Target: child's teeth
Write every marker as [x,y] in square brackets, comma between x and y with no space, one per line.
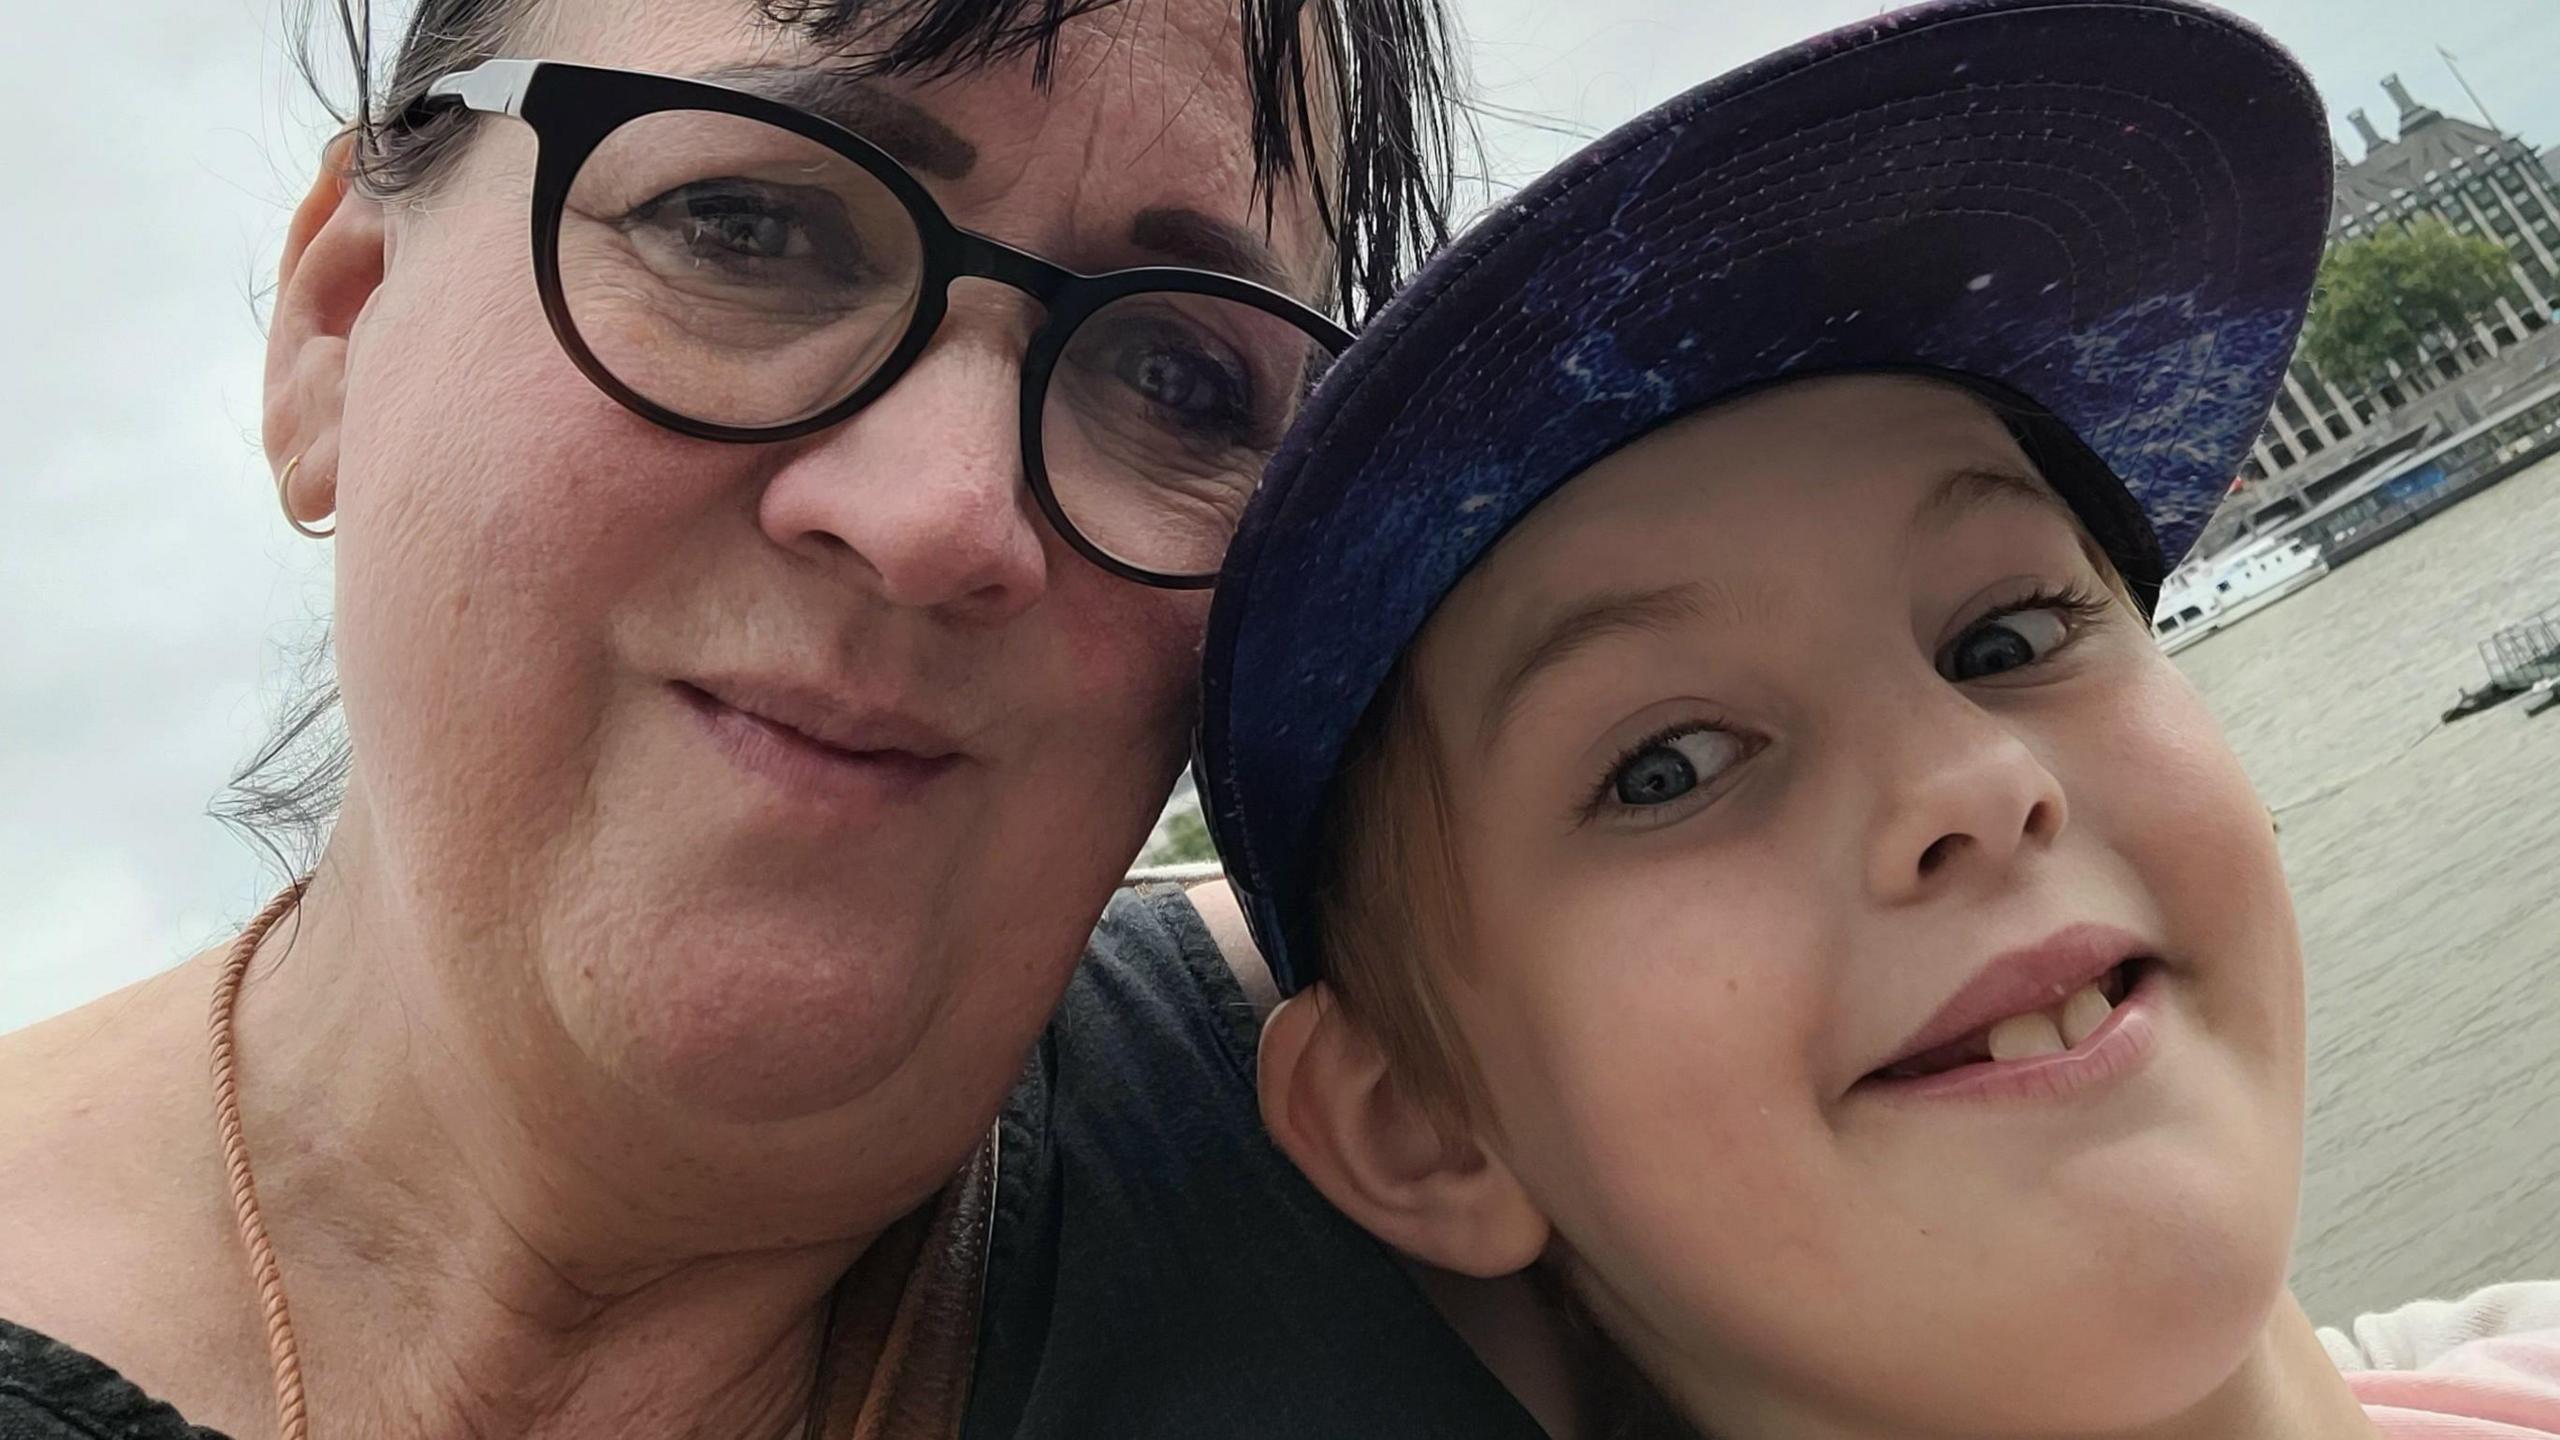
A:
[2022,1037]
[2082,1014]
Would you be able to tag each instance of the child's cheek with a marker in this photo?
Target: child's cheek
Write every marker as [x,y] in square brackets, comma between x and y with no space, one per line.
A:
[2160,788]
[1680,1044]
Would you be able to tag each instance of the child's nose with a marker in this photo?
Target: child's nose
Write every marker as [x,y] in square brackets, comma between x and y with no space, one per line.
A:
[1965,796]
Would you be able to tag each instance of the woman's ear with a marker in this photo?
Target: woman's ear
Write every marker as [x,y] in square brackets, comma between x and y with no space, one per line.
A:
[1400,1168]
[333,264]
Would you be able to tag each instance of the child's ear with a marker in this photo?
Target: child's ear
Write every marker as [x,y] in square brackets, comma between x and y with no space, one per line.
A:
[1384,1158]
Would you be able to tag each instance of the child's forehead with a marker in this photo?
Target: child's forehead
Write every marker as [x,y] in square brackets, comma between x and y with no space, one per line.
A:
[1794,468]
[1806,432]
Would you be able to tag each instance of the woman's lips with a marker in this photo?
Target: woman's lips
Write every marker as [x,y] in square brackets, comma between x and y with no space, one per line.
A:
[814,749]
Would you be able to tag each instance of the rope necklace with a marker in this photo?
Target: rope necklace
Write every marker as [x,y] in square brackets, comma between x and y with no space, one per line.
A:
[293,1420]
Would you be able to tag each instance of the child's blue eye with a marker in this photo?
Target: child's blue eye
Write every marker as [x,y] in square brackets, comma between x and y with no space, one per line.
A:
[1666,767]
[2016,637]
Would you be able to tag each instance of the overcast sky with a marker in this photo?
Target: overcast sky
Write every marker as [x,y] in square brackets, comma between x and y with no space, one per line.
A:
[148,588]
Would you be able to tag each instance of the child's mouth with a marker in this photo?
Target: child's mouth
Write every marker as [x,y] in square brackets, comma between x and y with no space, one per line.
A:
[2064,1028]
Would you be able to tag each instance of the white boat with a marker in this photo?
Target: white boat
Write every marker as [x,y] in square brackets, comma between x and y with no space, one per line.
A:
[2214,592]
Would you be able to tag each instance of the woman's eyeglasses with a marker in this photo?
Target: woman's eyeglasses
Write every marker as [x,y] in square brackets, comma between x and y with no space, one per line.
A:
[735,268]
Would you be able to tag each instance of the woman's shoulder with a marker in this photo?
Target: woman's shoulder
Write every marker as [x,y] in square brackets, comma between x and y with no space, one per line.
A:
[1152,1251]
[1148,1059]
[110,1180]
[50,1391]
[1165,955]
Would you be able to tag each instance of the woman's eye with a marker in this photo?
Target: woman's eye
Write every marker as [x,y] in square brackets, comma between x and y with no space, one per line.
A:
[725,220]
[1188,381]
[1664,769]
[1190,385]
[2006,642]
[746,230]
[746,233]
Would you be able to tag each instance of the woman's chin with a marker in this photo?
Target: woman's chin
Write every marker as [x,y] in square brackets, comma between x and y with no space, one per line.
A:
[755,1036]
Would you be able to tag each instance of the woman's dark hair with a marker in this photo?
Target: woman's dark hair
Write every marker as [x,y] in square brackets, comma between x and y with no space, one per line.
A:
[1376,92]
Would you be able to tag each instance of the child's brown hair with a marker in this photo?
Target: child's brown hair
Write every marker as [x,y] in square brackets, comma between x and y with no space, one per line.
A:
[1391,902]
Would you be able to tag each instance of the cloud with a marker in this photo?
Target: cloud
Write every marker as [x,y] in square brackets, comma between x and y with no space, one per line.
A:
[144,577]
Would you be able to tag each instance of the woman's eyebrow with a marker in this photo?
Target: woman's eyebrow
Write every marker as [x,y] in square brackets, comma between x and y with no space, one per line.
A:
[918,139]
[913,135]
[1205,242]
[1581,626]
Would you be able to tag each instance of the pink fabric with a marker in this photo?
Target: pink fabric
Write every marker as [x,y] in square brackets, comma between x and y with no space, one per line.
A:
[2503,1388]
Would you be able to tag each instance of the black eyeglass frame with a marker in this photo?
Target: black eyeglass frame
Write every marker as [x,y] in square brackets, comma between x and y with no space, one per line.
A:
[573,108]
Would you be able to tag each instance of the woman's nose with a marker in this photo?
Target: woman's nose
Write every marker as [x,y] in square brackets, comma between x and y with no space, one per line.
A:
[1966,798]
[923,488]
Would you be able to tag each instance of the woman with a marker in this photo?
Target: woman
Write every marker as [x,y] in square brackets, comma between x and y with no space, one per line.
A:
[752,702]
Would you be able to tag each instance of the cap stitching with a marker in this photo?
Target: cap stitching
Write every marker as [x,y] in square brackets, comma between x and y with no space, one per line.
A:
[1797,210]
[1788,150]
[2161,203]
[1494,244]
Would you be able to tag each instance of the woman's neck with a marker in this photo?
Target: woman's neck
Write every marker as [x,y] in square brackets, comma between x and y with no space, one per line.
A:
[478,1225]
[476,1233]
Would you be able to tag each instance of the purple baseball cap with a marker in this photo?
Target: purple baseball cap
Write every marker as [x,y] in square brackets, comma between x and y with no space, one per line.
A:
[2105,213]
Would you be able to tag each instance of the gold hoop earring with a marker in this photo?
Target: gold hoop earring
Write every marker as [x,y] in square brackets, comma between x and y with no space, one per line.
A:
[285,500]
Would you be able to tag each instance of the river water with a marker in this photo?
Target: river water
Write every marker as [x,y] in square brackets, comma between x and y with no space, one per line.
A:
[2426,868]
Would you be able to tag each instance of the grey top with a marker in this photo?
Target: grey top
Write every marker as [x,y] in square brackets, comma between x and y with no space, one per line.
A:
[49,1391]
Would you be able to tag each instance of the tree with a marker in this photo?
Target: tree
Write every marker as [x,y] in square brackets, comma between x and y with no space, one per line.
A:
[1185,839]
[2381,296]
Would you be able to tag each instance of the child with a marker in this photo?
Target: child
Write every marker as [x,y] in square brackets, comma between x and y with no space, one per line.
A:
[1681,716]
